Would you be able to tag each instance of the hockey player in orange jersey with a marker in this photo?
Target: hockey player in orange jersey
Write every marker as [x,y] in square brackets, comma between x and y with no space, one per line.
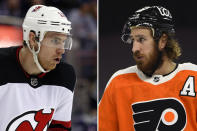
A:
[156,94]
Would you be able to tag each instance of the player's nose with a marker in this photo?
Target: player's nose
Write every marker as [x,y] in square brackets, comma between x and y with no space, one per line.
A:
[60,51]
[136,46]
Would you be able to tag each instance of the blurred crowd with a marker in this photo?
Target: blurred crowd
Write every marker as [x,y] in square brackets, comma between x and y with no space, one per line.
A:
[83,56]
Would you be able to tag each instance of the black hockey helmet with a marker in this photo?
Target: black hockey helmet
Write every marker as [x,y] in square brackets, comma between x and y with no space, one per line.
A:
[155,17]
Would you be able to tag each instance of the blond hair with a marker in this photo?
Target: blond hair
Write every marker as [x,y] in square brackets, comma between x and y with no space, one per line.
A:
[173,49]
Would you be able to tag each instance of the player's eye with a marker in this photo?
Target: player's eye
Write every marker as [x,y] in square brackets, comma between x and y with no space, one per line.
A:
[55,41]
[141,39]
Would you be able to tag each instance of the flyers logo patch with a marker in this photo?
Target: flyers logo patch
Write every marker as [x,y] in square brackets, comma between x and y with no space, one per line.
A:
[31,121]
[159,115]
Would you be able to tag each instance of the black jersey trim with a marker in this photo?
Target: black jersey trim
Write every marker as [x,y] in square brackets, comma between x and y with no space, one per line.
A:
[59,126]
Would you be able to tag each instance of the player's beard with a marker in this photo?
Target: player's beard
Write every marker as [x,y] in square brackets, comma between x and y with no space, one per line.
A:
[150,63]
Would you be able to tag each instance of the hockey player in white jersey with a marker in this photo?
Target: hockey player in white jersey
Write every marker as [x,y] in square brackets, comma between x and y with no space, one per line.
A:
[36,88]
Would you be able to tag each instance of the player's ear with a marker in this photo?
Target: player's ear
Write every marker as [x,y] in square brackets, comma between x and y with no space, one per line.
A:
[32,40]
[162,42]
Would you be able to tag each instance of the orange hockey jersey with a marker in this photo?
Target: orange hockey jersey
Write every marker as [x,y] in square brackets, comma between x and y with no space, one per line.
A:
[135,102]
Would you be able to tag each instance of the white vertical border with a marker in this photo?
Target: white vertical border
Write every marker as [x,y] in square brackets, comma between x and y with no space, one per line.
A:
[97,63]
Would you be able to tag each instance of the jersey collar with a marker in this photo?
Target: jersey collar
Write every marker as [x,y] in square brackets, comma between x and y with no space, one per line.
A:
[41,75]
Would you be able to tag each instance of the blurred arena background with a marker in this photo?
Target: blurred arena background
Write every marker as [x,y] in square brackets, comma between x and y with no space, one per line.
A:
[115,55]
[83,56]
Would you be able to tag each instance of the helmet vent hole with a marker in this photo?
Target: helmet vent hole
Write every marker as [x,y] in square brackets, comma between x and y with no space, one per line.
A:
[63,29]
[42,22]
[55,23]
[42,15]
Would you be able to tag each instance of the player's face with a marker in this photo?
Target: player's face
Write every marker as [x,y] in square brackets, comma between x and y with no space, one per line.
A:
[51,50]
[145,50]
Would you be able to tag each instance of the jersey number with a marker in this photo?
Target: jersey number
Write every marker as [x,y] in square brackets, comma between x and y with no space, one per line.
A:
[189,87]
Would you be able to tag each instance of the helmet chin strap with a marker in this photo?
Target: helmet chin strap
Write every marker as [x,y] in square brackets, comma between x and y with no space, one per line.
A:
[35,57]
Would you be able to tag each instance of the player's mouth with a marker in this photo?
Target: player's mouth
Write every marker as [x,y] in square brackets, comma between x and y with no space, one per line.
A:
[138,58]
[57,60]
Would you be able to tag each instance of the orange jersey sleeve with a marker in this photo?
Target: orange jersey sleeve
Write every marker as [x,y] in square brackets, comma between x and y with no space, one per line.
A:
[107,112]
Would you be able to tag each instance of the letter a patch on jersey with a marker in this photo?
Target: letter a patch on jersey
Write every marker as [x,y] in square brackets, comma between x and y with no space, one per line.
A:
[159,115]
[189,87]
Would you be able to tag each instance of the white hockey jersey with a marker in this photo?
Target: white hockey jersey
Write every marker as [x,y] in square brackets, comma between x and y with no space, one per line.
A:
[34,103]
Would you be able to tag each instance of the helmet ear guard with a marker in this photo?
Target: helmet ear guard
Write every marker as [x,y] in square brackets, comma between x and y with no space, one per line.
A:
[36,38]
[126,32]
